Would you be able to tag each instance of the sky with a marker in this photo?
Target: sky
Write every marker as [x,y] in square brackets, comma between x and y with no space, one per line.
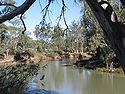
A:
[34,15]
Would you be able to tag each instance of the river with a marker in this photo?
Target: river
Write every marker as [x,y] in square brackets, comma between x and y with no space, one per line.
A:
[60,79]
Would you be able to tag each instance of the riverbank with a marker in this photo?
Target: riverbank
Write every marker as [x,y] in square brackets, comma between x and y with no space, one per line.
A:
[114,70]
[9,61]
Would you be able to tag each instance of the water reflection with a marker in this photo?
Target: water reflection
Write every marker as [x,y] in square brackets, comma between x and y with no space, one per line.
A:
[69,80]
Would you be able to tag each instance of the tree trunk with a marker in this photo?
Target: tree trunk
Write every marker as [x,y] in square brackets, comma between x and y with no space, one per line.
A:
[121,57]
[113,30]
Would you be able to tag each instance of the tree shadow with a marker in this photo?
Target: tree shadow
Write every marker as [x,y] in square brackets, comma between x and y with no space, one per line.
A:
[42,91]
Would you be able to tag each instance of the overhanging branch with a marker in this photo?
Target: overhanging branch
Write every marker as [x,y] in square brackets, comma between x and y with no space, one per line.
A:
[17,11]
[23,23]
[62,14]
[45,11]
[100,15]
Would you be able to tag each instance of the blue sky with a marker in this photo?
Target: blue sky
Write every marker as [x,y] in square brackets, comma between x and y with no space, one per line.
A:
[34,16]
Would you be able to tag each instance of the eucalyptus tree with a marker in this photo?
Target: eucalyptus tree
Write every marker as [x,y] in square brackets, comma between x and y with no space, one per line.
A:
[93,32]
[43,34]
[89,23]
[75,37]
[57,39]
[6,37]
[23,42]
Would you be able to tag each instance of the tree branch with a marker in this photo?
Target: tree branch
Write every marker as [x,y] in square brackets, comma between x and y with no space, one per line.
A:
[8,5]
[123,2]
[62,14]
[45,11]
[19,10]
[100,15]
[114,31]
[23,23]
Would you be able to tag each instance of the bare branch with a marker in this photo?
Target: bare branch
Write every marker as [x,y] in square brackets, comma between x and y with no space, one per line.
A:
[62,14]
[19,10]
[40,4]
[20,16]
[76,2]
[23,23]
[45,11]
[65,21]
[49,16]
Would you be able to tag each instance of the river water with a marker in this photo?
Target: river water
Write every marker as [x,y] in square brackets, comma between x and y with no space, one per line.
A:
[60,79]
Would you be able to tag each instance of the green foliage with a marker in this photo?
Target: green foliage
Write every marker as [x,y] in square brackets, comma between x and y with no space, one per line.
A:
[14,78]
[43,35]
[5,36]
[97,40]
[57,39]
[120,11]
[12,40]
[10,2]
[43,32]
[74,38]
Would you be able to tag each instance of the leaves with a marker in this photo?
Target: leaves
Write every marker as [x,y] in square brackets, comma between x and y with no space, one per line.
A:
[11,77]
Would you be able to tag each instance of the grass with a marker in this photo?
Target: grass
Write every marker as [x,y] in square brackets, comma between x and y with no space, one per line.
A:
[115,70]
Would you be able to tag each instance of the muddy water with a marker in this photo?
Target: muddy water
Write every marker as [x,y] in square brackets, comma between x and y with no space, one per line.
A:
[70,80]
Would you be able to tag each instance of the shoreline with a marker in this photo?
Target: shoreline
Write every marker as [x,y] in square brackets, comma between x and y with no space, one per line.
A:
[9,61]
